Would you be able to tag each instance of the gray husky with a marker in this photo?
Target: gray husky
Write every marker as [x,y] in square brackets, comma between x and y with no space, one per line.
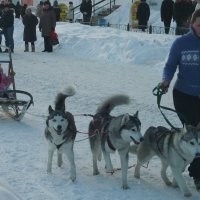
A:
[175,148]
[108,133]
[60,132]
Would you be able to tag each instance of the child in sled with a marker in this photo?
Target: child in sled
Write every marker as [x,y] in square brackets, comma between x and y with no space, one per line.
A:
[5,81]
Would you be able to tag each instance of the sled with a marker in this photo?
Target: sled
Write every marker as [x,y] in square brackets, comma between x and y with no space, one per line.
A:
[13,102]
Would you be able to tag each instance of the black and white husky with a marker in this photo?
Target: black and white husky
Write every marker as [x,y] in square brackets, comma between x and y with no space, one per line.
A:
[176,149]
[60,132]
[108,133]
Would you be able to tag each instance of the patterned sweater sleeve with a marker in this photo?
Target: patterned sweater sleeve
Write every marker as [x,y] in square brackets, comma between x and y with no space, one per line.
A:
[172,62]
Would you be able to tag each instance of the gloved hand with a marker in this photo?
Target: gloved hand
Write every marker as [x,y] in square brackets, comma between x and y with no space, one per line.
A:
[164,85]
[85,13]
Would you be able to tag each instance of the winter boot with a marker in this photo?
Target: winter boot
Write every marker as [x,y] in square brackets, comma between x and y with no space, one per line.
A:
[26,48]
[197,184]
[33,48]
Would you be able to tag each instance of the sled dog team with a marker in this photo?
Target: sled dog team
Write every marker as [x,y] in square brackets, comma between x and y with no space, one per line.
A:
[175,148]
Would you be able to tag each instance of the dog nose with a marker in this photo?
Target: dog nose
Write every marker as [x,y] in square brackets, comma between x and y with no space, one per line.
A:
[59,127]
[141,139]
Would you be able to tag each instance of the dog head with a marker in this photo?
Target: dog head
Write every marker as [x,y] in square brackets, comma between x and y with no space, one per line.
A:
[130,128]
[57,122]
[190,140]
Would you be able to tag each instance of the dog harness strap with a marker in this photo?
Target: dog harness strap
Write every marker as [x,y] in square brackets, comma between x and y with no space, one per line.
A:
[110,143]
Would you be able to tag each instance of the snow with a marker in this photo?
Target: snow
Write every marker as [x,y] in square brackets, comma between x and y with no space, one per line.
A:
[98,62]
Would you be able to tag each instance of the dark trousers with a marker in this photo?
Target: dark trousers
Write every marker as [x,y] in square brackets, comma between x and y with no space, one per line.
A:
[188,110]
[47,44]
[8,34]
[167,25]
[86,19]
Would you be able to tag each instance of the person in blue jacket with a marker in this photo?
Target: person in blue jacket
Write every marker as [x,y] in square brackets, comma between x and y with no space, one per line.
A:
[185,55]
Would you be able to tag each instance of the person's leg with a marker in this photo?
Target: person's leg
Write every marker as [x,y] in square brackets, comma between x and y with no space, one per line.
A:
[5,32]
[32,46]
[49,44]
[45,44]
[188,108]
[26,47]
[167,26]
[10,31]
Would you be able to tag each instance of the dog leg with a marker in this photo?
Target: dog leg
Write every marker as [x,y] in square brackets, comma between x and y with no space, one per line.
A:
[109,167]
[163,173]
[70,156]
[95,166]
[174,183]
[49,163]
[144,154]
[180,181]
[59,161]
[124,157]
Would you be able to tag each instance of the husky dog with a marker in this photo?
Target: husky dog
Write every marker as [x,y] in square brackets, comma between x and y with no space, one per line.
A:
[60,132]
[175,148]
[108,133]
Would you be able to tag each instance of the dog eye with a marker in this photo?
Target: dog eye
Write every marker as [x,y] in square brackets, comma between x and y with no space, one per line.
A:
[133,129]
[54,120]
[192,143]
[62,120]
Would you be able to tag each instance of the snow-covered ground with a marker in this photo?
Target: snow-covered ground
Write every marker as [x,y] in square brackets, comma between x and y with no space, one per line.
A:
[98,62]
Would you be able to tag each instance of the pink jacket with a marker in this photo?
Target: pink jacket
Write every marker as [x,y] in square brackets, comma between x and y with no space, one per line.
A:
[5,80]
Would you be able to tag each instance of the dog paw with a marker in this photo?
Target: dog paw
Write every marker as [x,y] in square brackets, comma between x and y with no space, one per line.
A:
[187,194]
[73,178]
[125,187]
[137,176]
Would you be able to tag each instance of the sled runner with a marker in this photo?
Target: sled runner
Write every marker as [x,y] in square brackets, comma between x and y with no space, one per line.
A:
[14,102]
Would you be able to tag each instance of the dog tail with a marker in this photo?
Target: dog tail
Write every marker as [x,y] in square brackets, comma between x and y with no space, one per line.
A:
[133,149]
[61,96]
[107,106]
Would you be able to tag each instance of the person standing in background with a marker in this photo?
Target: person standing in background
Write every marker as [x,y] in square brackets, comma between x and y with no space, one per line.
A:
[57,10]
[30,22]
[18,8]
[166,12]
[7,20]
[86,10]
[143,14]
[23,10]
[70,14]
[47,25]
[39,9]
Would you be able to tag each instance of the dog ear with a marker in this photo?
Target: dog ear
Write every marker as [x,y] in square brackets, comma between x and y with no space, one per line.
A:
[50,109]
[125,119]
[136,114]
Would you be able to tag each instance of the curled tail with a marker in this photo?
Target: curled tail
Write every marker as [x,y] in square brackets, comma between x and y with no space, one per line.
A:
[61,96]
[107,106]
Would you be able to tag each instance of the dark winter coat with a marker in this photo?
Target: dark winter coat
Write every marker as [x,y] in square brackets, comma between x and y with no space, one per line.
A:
[143,13]
[47,22]
[30,22]
[183,11]
[7,19]
[86,7]
[166,10]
